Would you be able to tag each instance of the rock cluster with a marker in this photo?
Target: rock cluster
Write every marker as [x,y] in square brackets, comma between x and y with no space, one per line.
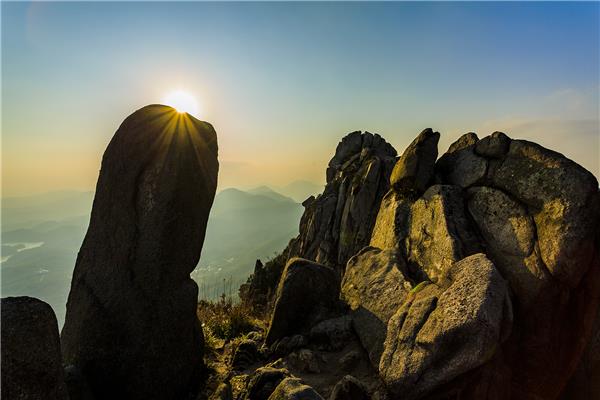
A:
[339,222]
[31,360]
[471,276]
[482,275]
[131,325]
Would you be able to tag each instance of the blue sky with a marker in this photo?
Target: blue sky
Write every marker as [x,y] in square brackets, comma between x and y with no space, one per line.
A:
[283,82]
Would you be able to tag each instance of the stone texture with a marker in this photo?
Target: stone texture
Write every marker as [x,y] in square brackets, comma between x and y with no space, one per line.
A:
[263,382]
[414,170]
[349,388]
[374,287]
[307,294]
[31,360]
[131,324]
[339,222]
[294,389]
[510,234]
[493,146]
[563,200]
[443,331]
[392,223]
[460,165]
[562,197]
[439,232]
[332,334]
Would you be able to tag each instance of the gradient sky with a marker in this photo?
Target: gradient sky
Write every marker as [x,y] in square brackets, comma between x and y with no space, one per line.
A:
[283,82]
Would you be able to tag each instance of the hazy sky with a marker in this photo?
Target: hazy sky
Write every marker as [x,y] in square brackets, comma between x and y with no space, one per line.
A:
[283,82]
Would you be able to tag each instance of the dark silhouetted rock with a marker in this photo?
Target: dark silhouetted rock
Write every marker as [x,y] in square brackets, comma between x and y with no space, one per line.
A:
[223,392]
[131,324]
[339,222]
[374,287]
[414,170]
[493,146]
[460,165]
[307,294]
[260,287]
[77,384]
[31,360]
[349,388]
[294,389]
[445,330]
[585,382]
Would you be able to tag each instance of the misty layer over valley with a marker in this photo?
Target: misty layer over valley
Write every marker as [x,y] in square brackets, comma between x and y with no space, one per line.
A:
[41,235]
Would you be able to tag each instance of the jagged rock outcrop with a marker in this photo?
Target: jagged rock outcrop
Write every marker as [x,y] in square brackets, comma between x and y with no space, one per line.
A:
[374,286]
[414,170]
[307,294]
[260,287]
[482,275]
[339,222]
[444,330]
[410,178]
[131,324]
[31,360]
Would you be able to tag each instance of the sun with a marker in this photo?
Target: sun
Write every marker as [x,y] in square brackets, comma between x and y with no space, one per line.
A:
[182,101]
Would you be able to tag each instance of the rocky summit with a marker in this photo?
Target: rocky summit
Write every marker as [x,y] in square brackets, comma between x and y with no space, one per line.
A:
[474,275]
[477,278]
[131,327]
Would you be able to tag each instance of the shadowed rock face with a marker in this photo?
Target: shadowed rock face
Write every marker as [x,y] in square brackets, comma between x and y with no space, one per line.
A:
[307,294]
[31,361]
[339,222]
[131,325]
[374,286]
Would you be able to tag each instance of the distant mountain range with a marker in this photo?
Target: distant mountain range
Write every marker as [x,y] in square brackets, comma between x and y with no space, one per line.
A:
[41,236]
[300,190]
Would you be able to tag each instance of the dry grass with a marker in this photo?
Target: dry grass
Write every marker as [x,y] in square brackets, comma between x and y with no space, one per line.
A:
[226,320]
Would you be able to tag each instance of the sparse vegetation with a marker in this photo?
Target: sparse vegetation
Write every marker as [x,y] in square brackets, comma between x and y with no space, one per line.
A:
[226,320]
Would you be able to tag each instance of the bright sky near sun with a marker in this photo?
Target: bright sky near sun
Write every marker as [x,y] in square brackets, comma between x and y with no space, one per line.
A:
[283,82]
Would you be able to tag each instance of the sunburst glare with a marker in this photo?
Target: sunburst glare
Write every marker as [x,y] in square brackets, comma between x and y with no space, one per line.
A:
[183,102]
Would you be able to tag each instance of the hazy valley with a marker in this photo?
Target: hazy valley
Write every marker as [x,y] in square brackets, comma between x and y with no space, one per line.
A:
[41,236]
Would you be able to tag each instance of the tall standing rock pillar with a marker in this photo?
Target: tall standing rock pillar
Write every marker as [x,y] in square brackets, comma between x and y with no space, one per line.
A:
[131,325]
